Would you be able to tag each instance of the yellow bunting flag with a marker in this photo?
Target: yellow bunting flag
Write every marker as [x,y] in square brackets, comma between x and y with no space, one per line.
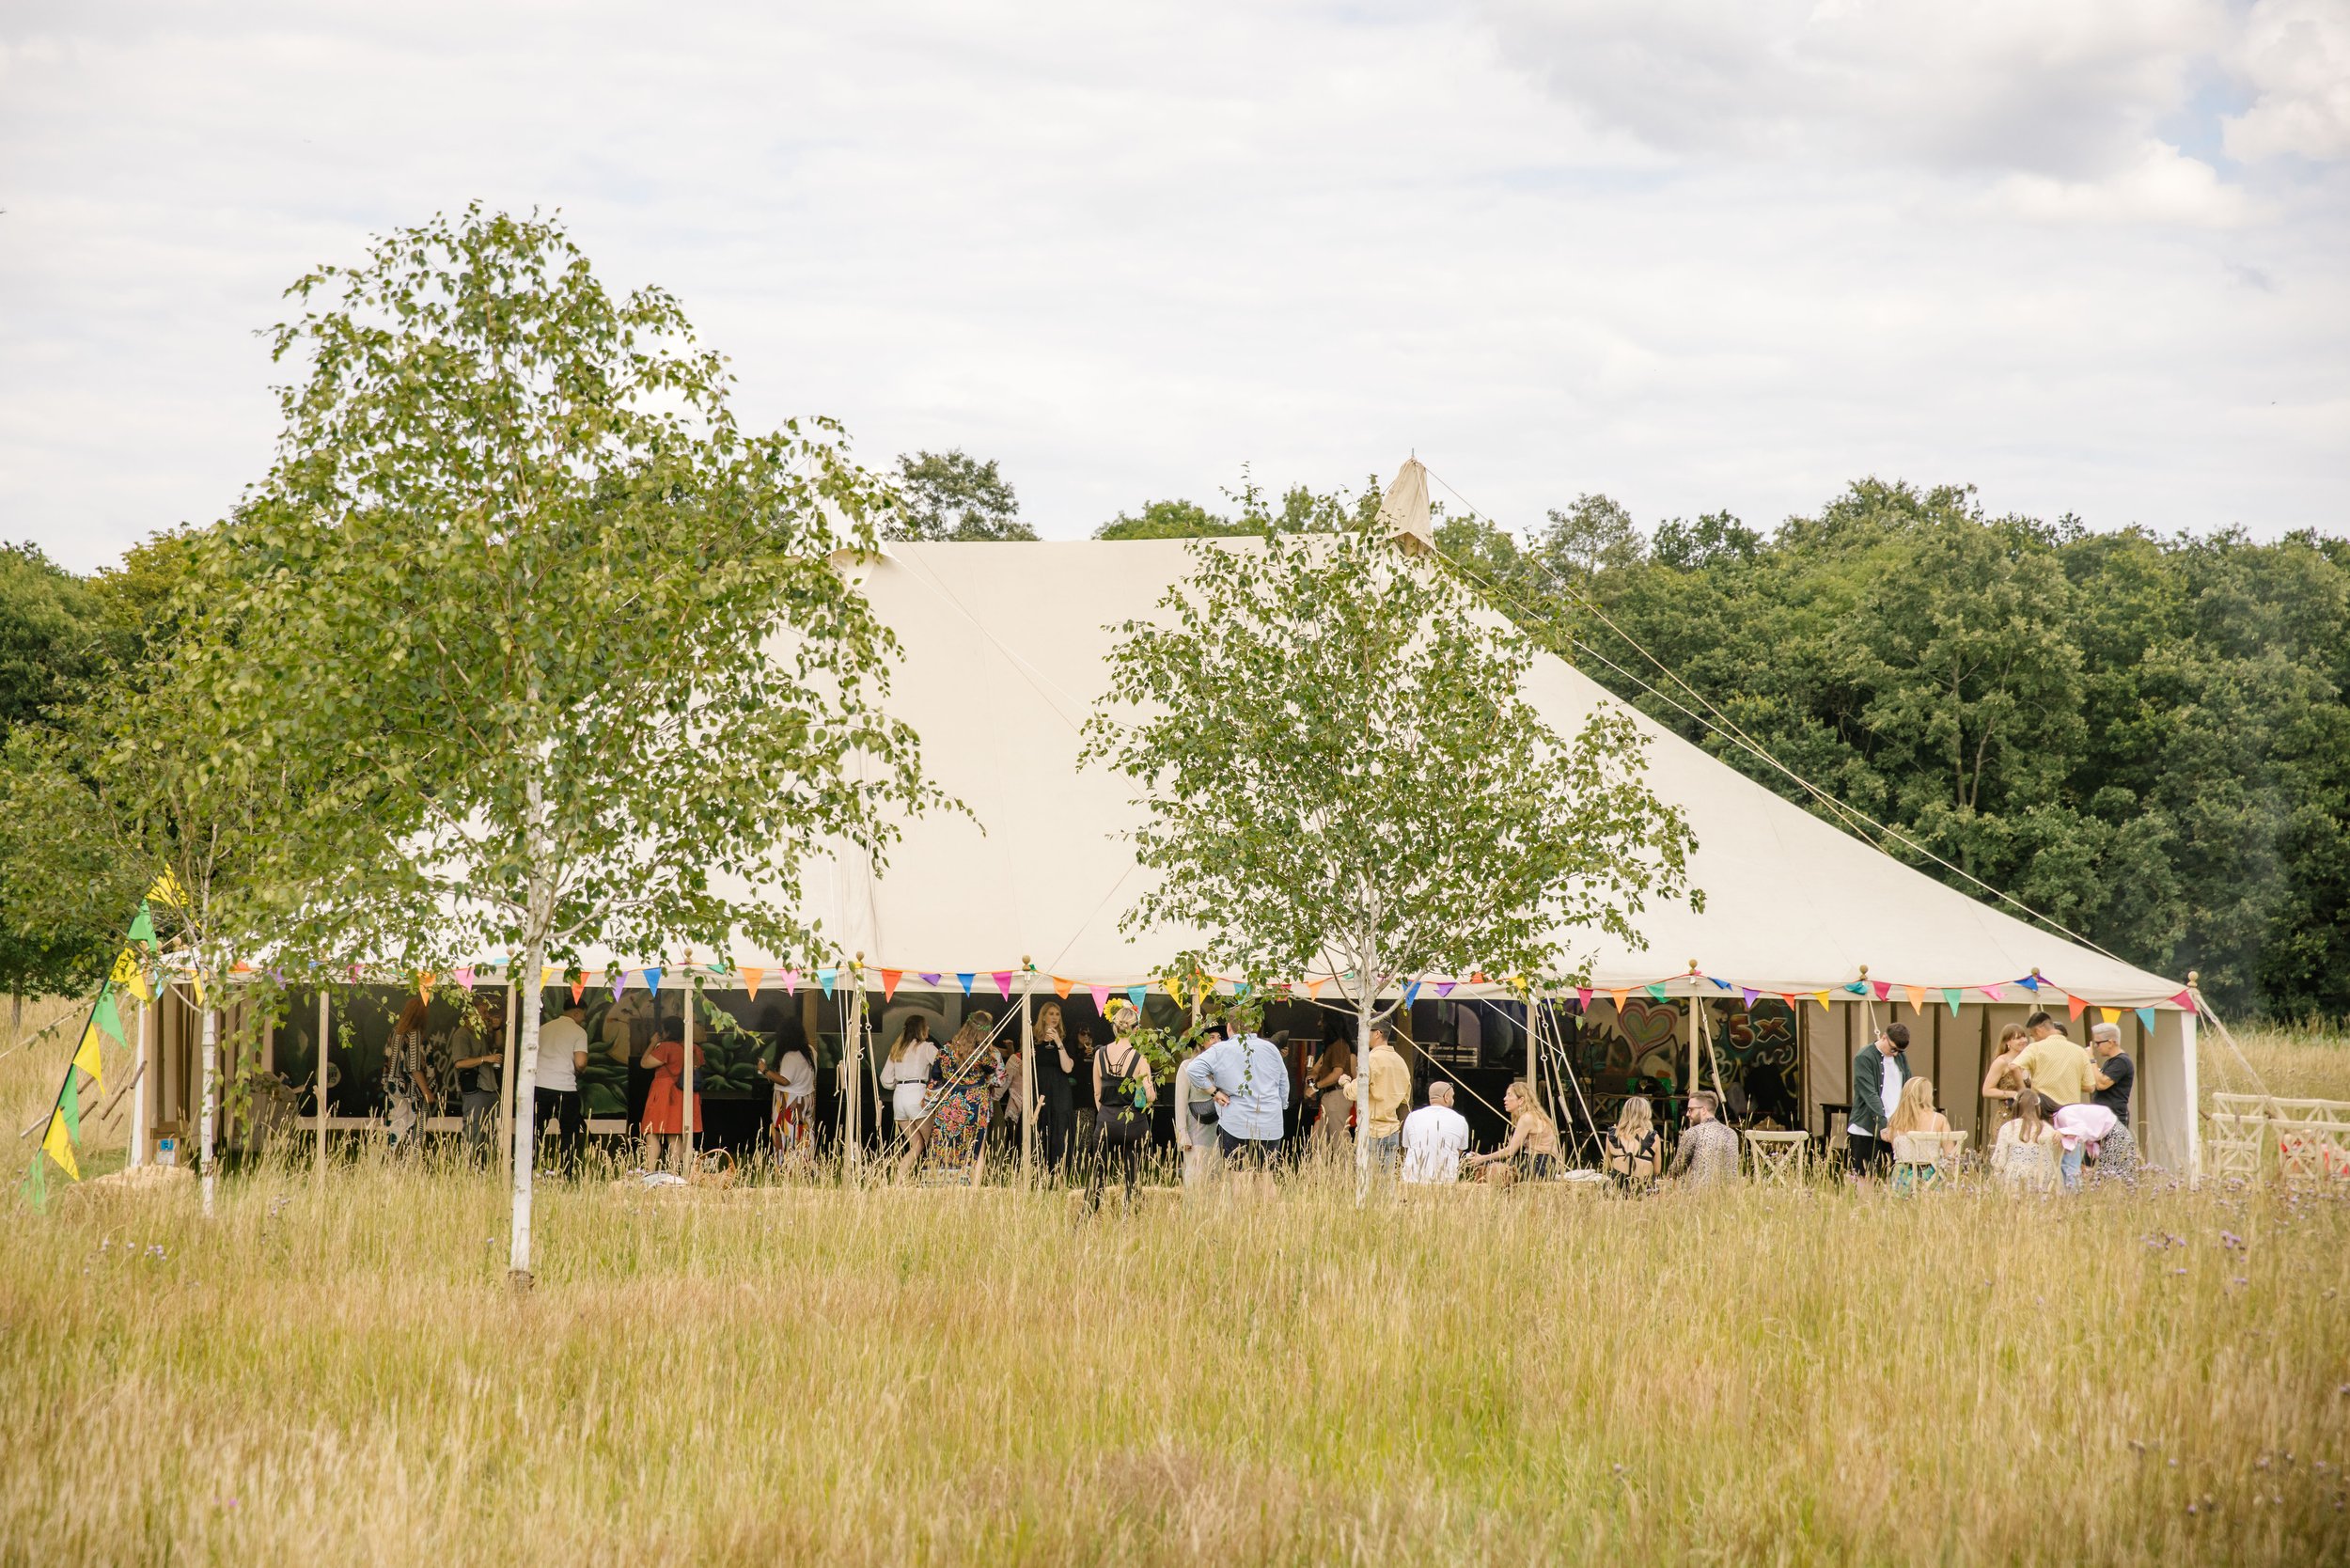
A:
[59,1146]
[127,974]
[166,889]
[2110,1014]
[88,1060]
[1821,998]
[1917,997]
[751,979]
[546,976]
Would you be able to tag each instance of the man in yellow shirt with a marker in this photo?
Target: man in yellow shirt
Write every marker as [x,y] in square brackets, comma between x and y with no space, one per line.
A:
[1388,1081]
[2058,1068]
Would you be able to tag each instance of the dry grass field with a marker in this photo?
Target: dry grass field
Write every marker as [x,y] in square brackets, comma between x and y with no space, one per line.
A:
[788,1374]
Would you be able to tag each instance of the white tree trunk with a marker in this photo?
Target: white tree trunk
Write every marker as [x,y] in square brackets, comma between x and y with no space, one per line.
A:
[532,997]
[210,1091]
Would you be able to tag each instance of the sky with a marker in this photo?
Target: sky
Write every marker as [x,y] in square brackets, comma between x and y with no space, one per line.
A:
[2091,258]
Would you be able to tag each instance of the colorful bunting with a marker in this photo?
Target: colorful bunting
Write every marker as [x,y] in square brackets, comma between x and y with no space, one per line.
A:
[1917,997]
[1821,998]
[652,978]
[1410,992]
[889,983]
[143,928]
[69,1105]
[1583,997]
[464,979]
[1882,987]
[548,972]
[579,986]
[928,980]
[2030,982]
[128,974]
[1444,988]
[751,976]
[2146,1019]
[790,982]
[828,978]
[2185,1000]
[2074,1006]
[1950,996]
[2110,1014]
[1137,993]
[1003,983]
[1100,998]
[87,1060]
[1313,988]
[165,890]
[1656,991]
[1618,995]
[1749,993]
[619,982]
[1061,988]
[964,980]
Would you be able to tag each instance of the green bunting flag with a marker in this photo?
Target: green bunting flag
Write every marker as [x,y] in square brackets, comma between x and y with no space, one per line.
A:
[143,928]
[36,1187]
[108,1016]
[1656,993]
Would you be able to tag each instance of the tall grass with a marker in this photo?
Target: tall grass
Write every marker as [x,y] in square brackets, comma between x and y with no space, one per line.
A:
[805,1372]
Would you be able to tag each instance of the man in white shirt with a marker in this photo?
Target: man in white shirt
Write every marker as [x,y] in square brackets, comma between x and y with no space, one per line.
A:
[1434,1138]
[554,1089]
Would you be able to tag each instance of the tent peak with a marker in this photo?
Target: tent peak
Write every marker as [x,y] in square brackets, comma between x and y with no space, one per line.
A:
[1404,512]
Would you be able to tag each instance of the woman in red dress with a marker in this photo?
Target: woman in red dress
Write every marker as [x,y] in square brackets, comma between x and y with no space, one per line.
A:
[664,1124]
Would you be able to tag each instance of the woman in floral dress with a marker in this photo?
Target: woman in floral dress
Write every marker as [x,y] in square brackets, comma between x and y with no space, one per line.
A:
[964,1083]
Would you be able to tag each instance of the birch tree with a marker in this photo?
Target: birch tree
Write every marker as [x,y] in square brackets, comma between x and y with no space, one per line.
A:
[517,562]
[1341,775]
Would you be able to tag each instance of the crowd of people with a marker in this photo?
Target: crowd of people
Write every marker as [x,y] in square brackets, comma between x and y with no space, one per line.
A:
[2063,1110]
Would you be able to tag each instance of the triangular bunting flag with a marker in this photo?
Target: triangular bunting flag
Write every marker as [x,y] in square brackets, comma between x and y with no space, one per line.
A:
[106,1016]
[1409,992]
[1313,987]
[1882,987]
[87,1060]
[1444,988]
[1003,983]
[652,978]
[1993,993]
[1917,997]
[1583,997]
[1821,998]
[790,982]
[1856,988]
[619,982]
[1750,993]
[143,926]
[2030,982]
[548,974]
[1618,995]
[424,981]
[2185,1000]
[964,979]
[828,978]
[2145,1018]
[1950,996]
[1655,992]
[1061,988]
[59,1147]
[464,978]
[166,890]
[579,987]
[2074,1006]
[1138,995]
[751,976]
[1100,998]
[69,1105]
[889,983]
[2110,1014]
[928,980]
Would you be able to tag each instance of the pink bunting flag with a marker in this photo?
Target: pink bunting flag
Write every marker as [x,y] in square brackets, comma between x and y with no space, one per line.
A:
[464,976]
[1101,997]
[1884,989]
[1003,983]
[1583,997]
[2183,1000]
[790,981]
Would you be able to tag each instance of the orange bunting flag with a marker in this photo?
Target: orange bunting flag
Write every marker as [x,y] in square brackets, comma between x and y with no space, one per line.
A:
[424,982]
[751,979]
[1061,988]
[1313,988]
[2074,1006]
[1617,994]
[579,984]
[889,982]
[1917,998]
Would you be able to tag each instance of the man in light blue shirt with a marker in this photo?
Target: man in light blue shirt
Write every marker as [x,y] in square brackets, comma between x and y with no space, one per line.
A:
[1244,1075]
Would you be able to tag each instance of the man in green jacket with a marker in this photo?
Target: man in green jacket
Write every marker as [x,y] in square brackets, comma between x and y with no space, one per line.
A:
[1877,1076]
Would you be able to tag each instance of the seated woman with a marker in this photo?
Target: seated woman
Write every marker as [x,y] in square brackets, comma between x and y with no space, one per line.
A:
[1628,1154]
[1917,1164]
[964,1079]
[1532,1152]
[2029,1154]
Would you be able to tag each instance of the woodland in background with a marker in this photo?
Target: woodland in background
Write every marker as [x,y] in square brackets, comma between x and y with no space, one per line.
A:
[2146,739]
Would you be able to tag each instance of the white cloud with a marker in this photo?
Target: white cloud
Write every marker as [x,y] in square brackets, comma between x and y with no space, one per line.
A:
[1127,249]
[2295,56]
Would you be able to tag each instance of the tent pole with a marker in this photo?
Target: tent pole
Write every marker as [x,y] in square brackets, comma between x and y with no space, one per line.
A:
[1028,1074]
[853,1064]
[685,1111]
[139,1091]
[506,1086]
[325,1050]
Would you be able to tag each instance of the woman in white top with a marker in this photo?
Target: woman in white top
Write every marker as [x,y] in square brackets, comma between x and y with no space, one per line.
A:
[791,1127]
[907,1074]
[2029,1152]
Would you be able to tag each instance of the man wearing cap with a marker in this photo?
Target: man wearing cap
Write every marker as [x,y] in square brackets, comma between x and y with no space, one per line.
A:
[1877,1076]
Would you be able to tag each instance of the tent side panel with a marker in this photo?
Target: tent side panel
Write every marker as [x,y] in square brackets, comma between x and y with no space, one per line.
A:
[2166,1093]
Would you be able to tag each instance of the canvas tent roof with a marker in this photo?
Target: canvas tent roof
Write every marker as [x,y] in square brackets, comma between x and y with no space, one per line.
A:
[1005,651]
